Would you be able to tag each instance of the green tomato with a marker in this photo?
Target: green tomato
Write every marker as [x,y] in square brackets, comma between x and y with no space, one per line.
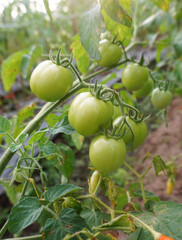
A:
[94,181]
[51,82]
[21,174]
[107,154]
[134,76]
[145,90]
[117,112]
[161,99]
[88,115]
[139,130]
[110,53]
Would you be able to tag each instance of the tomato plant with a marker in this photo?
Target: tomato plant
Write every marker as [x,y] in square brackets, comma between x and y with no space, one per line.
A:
[107,154]
[20,174]
[134,76]
[110,53]
[117,112]
[94,180]
[50,82]
[88,115]
[145,90]
[161,99]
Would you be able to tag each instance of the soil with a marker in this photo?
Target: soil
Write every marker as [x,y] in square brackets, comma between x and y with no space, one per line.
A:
[166,142]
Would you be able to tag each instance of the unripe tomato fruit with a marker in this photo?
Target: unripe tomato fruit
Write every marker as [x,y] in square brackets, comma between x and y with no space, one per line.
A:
[94,181]
[145,90]
[51,82]
[21,174]
[169,186]
[110,53]
[134,76]
[139,131]
[107,154]
[117,112]
[160,98]
[88,115]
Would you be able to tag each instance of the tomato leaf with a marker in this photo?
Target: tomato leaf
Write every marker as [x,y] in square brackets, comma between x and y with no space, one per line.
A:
[29,59]
[148,195]
[163,4]
[4,124]
[159,164]
[77,140]
[122,32]
[68,222]
[63,127]
[94,217]
[10,68]
[60,190]
[165,218]
[64,159]
[90,25]
[116,11]
[47,148]
[80,55]
[24,213]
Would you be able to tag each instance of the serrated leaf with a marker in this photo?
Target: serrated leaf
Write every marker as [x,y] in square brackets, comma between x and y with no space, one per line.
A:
[52,119]
[165,218]
[159,164]
[122,32]
[37,136]
[116,11]
[48,148]
[63,127]
[94,217]
[163,4]
[15,146]
[90,25]
[10,68]
[23,137]
[60,190]
[80,55]
[68,223]
[77,140]
[24,214]
[64,160]
[4,124]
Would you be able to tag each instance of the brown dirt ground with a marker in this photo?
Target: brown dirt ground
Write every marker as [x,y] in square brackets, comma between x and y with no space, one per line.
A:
[166,142]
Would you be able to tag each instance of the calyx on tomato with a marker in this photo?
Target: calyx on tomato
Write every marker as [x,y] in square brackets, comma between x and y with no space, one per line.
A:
[107,154]
[134,76]
[51,82]
[110,53]
[88,115]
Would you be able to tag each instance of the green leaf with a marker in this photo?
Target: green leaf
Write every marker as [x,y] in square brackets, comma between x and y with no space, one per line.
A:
[94,217]
[148,195]
[178,44]
[63,127]
[60,190]
[116,11]
[90,25]
[64,160]
[24,214]
[159,164]
[69,222]
[52,119]
[47,148]
[11,68]
[13,191]
[23,137]
[29,59]
[163,4]
[122,32]
[4,124]
[77,140]
[37,136]
[80,55]
[165,218]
